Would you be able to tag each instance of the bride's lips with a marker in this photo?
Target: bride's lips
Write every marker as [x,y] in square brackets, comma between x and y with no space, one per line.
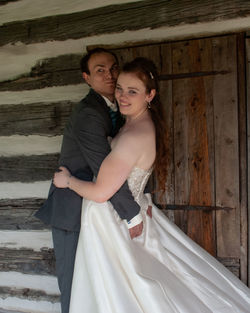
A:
[124,105]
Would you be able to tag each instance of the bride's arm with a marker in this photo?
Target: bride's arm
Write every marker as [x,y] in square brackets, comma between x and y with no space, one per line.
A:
[113,172]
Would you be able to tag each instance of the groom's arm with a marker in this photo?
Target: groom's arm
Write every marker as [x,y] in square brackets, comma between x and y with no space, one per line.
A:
[91,132]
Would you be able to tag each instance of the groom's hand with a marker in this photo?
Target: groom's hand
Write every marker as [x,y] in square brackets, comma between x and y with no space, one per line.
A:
[149,211]
[136,230]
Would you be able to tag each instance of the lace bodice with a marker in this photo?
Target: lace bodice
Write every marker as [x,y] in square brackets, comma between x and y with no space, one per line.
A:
[137,181]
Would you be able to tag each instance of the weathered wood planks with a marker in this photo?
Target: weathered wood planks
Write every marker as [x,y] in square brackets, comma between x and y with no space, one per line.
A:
[27,293]
[28,261]
[3,2]
[242,116]
[121,17]
[232,264]
[37,118]
[248,140]
[65,69]
[166,88]
[28,168]
[226,150]
[57,71]
[192,158]
[18,214]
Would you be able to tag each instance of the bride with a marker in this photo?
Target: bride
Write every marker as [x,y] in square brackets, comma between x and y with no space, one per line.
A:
[161,271]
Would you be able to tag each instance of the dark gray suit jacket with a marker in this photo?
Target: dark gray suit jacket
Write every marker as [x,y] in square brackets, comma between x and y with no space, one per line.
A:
[84,147]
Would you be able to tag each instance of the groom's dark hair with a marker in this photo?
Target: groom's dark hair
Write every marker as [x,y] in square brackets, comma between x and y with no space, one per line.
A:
[85,59]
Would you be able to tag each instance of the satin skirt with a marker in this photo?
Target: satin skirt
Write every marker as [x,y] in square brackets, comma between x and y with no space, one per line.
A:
[162,271]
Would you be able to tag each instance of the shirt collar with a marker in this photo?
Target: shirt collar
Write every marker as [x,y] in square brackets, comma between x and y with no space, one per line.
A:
[111,105]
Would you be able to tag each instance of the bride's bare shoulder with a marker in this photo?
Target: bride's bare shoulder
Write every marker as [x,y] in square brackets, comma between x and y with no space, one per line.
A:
[138,134]
[136,144]
[143,128]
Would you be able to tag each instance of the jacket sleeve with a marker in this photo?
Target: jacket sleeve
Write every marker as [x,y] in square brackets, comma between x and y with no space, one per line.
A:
[91,132]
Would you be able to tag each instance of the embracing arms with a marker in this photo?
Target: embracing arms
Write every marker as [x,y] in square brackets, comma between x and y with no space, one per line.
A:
[91,129]
[113,172]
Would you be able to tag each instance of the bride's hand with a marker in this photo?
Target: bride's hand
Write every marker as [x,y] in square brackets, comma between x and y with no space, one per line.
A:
[61,179]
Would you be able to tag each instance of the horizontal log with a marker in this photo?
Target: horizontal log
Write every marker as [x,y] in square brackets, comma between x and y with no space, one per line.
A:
[28,168]
[64,70]
[18,214]
[3,2]
[68,77]
[35,119]
[28,294]
[28,261]
[121,17]
[58,71]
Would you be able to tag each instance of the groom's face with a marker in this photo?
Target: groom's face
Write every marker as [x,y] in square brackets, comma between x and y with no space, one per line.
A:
[103,73]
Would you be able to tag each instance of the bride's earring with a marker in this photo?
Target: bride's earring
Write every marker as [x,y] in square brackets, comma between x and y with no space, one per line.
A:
[149,105]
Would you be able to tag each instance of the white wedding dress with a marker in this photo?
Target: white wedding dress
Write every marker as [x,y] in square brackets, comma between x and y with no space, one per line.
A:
[162,271]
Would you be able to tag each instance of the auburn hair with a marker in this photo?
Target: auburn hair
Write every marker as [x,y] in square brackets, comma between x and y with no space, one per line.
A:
[146,71]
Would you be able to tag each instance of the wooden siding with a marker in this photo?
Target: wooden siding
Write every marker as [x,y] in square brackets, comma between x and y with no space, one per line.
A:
[58,71]
[37,118]
[226,156]
[248,141]
[191,140]
[243,186]
[121,17]
[18,214]
[28,293]
[3,2]
[28,169]
[27,261]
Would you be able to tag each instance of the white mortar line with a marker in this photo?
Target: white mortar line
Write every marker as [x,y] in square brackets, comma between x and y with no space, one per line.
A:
[14,303]
[29,145]
[18,190]
[33,239]
[73,93]
[19,280]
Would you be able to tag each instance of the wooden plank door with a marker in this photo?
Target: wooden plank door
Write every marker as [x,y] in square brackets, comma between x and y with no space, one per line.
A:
[200,82]
[248,133]
[206,141]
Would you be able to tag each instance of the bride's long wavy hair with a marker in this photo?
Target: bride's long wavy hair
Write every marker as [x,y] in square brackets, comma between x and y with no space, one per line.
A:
[146,71]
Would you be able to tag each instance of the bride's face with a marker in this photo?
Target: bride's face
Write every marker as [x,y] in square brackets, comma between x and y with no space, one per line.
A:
[131,94]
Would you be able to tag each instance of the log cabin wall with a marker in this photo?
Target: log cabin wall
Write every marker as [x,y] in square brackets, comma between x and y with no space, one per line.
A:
[40,46]
[248,134]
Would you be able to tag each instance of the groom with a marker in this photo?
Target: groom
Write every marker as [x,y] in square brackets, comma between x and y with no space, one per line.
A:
[84,147]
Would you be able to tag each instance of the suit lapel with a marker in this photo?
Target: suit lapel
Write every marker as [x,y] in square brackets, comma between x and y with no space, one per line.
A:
[99,103]
[119,123]
[101,106]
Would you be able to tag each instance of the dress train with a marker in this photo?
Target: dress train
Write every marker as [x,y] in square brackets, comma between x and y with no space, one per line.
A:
[162,271]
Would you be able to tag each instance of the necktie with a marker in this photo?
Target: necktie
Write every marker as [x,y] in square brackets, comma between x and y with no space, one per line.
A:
[113,116]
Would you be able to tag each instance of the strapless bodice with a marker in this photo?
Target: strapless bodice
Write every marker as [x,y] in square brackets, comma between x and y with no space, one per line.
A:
[137,181]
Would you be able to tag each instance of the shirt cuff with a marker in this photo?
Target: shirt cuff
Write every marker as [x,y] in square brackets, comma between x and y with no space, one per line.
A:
[134,221]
